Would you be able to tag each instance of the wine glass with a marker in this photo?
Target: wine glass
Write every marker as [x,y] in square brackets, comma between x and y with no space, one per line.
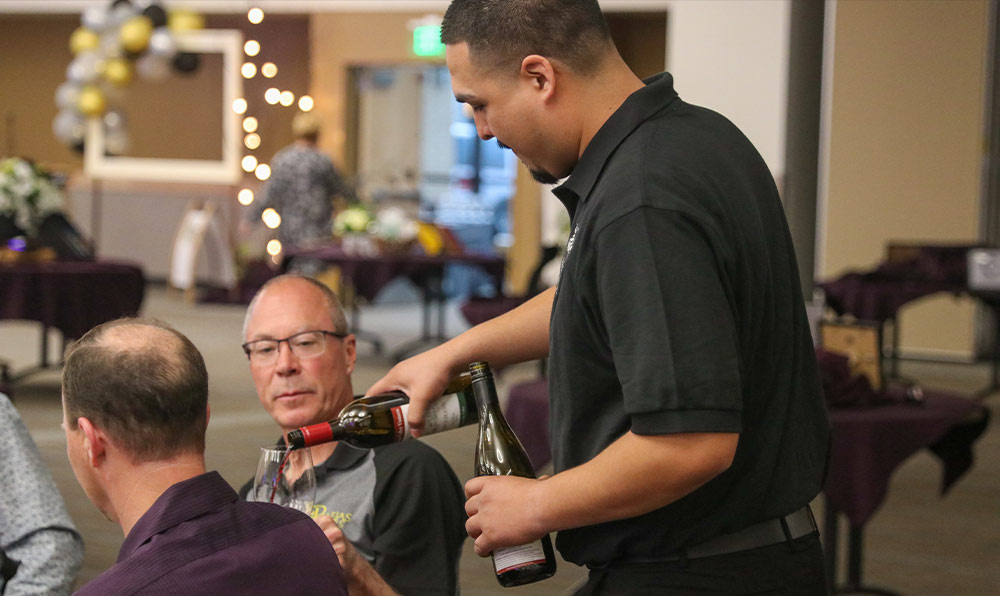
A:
[286,477]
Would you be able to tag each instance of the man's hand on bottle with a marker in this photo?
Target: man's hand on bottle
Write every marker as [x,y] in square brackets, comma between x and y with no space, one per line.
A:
[503,511]
[423,378]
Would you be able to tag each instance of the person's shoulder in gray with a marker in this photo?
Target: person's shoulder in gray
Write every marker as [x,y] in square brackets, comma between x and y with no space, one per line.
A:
[135,411]
[40,549]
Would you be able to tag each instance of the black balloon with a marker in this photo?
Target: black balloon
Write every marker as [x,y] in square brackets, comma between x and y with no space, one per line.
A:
[186,62]
[156,14]
[115,3]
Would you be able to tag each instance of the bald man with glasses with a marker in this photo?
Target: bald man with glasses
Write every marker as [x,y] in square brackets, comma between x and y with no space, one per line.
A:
[394,514]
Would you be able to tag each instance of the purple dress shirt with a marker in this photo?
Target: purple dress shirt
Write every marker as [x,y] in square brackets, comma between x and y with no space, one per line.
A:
[200,538]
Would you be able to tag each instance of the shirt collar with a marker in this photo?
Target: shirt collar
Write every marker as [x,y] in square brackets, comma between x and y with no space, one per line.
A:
[181,502]
[344,457]
[637,108]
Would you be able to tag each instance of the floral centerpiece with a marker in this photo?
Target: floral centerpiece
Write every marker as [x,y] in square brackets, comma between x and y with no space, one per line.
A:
[351,227]
[394,230]
[27,197]
[352,220]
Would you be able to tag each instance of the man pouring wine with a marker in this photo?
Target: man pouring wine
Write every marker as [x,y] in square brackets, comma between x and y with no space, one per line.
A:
[686,417]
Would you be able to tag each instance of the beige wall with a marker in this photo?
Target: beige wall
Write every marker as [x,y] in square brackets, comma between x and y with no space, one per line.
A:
[905,144]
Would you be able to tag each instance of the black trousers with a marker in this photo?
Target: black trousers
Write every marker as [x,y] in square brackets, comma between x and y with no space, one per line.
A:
[786,569]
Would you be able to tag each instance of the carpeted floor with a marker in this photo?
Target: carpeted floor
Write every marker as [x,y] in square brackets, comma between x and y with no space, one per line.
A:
[917,544]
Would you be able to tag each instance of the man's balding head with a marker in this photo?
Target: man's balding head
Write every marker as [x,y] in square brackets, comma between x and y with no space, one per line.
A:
[143,383]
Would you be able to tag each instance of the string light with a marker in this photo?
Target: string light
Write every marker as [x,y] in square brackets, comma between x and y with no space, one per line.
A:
[249,163]
[249,124]
[248,70]
[245,196]
[305,103]
[271,218]
[287,98]
[251,47]
[255,16]
[269,70]
[240,105]
[252,141]
[272,95]
[262,172]
[274,247]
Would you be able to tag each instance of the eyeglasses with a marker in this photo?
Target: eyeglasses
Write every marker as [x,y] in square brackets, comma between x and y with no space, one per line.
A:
[307,344]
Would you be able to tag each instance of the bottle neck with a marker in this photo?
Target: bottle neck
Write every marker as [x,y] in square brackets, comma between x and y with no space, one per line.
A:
[485,391]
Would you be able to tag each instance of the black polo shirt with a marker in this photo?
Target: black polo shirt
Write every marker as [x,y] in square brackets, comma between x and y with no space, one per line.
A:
[679,310]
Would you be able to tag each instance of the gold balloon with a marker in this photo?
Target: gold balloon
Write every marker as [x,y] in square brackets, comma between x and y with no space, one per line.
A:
[118,71]
[83,40]
[91,101]
[135,33]
[184,20]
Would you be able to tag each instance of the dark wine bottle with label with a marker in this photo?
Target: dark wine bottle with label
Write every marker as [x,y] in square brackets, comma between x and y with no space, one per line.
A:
[381,419]
[500,453]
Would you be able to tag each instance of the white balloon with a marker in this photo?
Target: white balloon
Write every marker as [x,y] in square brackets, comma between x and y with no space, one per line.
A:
[95,18]
[69,126]
[83,68]
[114,120]
[121,13]
[116,141]
[162,43]
[152,67]
[111,46]
[67,94]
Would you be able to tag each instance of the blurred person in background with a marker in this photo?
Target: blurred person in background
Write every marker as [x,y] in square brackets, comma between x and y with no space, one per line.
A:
[302,188]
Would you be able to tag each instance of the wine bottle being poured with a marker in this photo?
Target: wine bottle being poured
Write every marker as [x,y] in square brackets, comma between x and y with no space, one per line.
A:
[380,419]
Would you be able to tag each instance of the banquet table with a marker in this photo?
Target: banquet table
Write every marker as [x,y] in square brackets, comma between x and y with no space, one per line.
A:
[369,273]
[877,295]
[71,296]
[869,443]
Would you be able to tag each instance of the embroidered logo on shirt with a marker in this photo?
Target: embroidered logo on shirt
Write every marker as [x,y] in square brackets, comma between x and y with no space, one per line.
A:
[569,248]
[341,517]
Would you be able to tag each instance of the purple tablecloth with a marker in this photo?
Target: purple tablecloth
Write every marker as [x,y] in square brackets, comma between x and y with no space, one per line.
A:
[73,297]
[528,414]
[878,294]
[870,443]
[370,273]
[479,310]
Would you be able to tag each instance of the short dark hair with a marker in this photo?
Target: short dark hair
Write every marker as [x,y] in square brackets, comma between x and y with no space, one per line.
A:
[150,397]
[503,32]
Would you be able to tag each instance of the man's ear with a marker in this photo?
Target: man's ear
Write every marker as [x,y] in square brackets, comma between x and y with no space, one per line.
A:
[540,72]
[95,442]
[350,345]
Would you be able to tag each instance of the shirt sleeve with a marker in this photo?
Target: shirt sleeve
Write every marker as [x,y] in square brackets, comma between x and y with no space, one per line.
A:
[419,520]
[663,299]
[35,528]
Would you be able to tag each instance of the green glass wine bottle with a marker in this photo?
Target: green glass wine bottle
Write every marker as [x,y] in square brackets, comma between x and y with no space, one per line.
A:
[380,419]
[500,453]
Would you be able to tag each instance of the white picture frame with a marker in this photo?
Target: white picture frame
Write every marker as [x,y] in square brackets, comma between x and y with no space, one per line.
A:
[99,165]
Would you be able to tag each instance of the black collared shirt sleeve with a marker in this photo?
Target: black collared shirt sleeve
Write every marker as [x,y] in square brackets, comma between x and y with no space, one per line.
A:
[668,322]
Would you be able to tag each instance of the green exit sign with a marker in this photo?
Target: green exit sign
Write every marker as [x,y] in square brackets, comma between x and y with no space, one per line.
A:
[427,41]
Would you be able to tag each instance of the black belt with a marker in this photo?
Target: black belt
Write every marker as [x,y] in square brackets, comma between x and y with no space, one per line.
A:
[773,531]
